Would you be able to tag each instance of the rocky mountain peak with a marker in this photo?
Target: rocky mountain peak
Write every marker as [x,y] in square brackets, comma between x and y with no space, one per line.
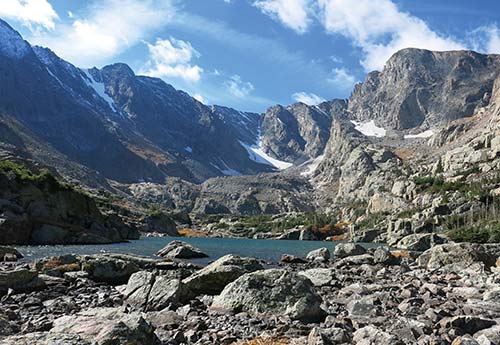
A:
[12,44]
[420,88]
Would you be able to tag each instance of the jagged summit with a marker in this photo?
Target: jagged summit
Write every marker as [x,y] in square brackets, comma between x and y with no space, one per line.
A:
[12,44]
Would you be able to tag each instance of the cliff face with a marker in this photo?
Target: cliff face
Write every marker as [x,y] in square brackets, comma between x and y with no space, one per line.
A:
[420,88]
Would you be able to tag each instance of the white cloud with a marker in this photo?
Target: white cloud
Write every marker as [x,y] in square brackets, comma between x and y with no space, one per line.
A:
[238,87]
[106,29]
[380,29]
[342,79]
[30,12]
[307,98]
[171,58]
[486,39]
[292,13]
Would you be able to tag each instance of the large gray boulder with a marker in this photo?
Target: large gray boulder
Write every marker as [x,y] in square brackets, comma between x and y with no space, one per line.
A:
[273,291]
[318,255]
[213,278]
[343,250]
[21,280]
[180,250]
[458,256]
[151,292]
[420,242]
[108,269]
[9,254]
[106,326]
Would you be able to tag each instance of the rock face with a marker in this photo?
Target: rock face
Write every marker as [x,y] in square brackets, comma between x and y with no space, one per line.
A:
[295,132]
[213,278]
[272,292]
[180,250]
[37,208]
[423,88]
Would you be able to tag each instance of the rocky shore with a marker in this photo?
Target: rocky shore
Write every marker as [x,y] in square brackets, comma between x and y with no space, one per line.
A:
[449,294]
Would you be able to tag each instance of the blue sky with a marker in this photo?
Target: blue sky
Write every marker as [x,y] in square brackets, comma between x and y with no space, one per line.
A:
[251,54]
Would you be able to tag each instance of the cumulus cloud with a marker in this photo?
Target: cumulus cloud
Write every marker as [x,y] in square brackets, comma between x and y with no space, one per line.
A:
[292,13]
[171,58]
[307,98]
[237,87]
[380,29]
[342,79]
[486,39]
[106,29]
[31,13]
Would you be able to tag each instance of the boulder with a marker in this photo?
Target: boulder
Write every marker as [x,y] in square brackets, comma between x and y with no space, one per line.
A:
[319,276]
[458,256]
[148,291]
[180,250]
[420,242]
[318,255]
[107,269]
[212,279]
[20,280]
[9,254]
[369,335]
[106,326]
[383,255]
[467,324]
[488,336]
[343,250]
[357,260]
[273,291]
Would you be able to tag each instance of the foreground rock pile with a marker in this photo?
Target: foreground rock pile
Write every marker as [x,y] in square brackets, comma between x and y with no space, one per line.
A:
[449,294]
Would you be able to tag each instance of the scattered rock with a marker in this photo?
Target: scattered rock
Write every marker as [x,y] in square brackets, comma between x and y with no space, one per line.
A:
[20,280]
[457,255]
[420,242]
[467,324]
[291,259]
[319,276]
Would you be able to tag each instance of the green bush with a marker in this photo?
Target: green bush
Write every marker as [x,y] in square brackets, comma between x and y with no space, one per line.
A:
[477,234]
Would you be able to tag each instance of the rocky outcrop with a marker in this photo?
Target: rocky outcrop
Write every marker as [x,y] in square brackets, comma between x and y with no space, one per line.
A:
[180,250]
[343,250]
[9,254]
[272,292]
[37,208]
[295,132]
[20,280]
[423,88]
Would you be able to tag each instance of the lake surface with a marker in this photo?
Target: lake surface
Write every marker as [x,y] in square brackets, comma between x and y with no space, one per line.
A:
[268,250]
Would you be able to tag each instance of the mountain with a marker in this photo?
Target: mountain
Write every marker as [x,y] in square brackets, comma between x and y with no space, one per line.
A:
[421,88]
[298,132]
[124,127]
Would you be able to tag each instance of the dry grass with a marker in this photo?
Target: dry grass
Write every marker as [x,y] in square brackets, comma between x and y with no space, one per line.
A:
[404,254]
[404,153]
[190,233]
[265,341]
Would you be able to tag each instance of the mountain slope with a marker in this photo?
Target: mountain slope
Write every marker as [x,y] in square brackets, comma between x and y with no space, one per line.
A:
[126,127]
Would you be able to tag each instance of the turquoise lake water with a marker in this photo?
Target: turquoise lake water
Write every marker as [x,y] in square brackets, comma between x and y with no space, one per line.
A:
[268,250]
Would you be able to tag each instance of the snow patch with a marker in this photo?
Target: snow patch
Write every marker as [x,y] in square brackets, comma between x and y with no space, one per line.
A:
[100,89]
[424,135]
[321,111]
[369,129]
[311,165]
[226,170]
[188,149]
[257,154]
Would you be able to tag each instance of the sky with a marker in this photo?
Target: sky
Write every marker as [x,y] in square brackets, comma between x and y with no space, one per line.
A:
[252,54]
